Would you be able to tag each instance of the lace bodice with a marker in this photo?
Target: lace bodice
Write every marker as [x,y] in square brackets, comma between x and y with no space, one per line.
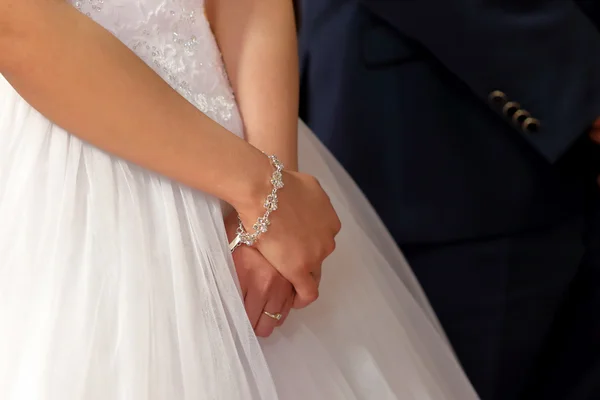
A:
[174,38]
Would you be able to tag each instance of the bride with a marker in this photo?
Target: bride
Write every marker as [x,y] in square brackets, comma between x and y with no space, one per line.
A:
[122,175]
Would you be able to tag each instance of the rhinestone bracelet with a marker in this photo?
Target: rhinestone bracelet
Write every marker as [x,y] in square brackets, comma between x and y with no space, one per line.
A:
[262,224]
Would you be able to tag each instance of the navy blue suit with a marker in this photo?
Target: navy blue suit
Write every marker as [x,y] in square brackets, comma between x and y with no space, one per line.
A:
[464,123]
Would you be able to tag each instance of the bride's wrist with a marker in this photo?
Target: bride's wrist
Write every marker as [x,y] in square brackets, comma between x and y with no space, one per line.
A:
[260,223]
[253,187]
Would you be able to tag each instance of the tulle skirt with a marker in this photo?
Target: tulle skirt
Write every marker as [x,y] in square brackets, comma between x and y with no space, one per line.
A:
[117,284]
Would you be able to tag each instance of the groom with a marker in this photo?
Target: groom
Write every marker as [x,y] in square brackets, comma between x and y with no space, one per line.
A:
[465,122]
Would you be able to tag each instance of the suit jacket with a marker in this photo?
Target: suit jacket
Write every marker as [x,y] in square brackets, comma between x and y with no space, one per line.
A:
[459,119]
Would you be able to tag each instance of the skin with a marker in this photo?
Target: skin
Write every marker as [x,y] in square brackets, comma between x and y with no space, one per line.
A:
[257,39]
[88,91]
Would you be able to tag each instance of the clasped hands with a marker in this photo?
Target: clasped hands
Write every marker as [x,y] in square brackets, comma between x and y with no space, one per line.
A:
[283,269]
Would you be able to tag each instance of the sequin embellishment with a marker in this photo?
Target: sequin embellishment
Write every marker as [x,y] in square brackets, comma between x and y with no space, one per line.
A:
[174,39]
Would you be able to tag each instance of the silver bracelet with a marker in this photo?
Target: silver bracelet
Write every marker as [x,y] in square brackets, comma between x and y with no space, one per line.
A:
[262,224]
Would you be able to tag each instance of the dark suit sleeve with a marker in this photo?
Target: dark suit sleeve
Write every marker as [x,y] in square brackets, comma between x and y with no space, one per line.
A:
[536,62]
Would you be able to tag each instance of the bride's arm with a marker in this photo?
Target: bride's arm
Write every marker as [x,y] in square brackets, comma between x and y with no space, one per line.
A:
[85,80]
[89,83]
[258,41]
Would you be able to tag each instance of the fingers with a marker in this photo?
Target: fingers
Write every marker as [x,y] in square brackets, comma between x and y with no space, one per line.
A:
[254,304]
[267,324]
[287,308]
[316,275]
[336,223]
[307,290]
[264,288]
[254,275]
[595,131]
[595,135]
[275,298]
[306,285]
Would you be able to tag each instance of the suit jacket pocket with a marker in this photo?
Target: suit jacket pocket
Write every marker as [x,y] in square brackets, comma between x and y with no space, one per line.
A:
[383,46]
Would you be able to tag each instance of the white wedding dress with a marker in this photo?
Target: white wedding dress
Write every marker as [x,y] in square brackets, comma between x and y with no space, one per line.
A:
[117,284]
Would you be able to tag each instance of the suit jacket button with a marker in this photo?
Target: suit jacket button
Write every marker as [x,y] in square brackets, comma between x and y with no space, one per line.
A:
[498,98]
[531,125]
[520,116]
[510,108]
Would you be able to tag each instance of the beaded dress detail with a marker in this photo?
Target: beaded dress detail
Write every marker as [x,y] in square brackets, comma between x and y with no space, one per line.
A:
[174,38]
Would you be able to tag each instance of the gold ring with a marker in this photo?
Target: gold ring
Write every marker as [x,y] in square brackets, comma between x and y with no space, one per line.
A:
[276,317]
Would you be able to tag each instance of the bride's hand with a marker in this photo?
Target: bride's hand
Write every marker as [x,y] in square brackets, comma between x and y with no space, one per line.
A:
[301,235]
[263,287]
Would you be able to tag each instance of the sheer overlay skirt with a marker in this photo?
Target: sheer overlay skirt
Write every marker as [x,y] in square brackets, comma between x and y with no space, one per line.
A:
[116,284]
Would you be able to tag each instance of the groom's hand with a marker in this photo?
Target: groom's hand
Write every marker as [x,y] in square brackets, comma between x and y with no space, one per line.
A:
[595,131]
[263,287]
